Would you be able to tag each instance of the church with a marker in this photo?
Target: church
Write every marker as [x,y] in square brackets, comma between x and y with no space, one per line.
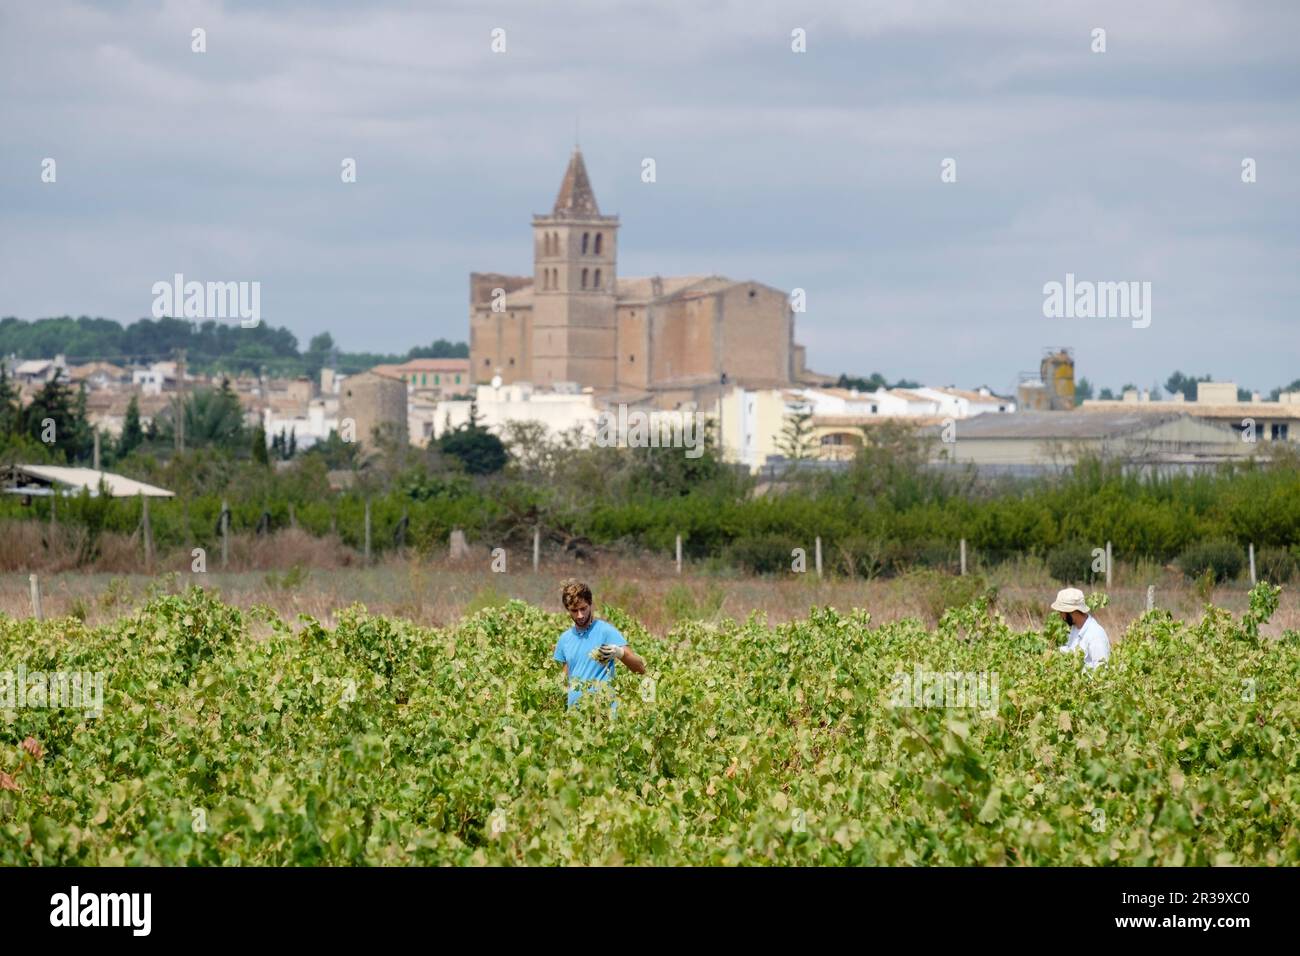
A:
[659,340]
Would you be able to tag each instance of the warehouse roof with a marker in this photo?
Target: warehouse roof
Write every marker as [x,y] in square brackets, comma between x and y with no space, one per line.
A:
[1048,425]
[35,479]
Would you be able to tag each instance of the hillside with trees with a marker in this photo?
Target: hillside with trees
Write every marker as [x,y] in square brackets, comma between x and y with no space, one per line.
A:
[209,346]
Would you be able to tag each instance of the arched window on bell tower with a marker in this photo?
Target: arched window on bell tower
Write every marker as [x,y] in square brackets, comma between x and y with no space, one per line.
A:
[597,250]
[584,278]
[584,242]
[596,281]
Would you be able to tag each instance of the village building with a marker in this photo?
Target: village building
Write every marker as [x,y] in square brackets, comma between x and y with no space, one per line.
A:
[668,340]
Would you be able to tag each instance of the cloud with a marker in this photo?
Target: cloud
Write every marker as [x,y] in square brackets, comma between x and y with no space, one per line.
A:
[818,170]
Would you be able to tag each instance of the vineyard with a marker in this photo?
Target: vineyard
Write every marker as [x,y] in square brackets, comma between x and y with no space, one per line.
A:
[236,738]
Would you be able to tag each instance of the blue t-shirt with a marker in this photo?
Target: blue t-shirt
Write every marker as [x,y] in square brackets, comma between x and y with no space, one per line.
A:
[574,648]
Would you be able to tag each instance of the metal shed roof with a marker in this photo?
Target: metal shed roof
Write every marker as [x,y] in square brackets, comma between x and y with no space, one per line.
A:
[116,486]
[1066,425]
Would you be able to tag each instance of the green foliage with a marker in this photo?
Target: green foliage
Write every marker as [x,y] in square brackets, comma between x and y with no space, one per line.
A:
[290,580]
[1071,563]
[336,453]
[682,604]
[132,436]
[874,383]
[796,439]
[1263,603]
[62,409]
[378,742]
[213,419]
[210,345]
[478,450]
[11,415]
[257,445]
[885,514]
[938,592]
[766,553]
[283,445]
[1178,382]
[1277,392]
[1276,565]
[1222,560]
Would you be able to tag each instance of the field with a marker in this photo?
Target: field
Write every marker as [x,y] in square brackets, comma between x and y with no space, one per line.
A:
[240,736]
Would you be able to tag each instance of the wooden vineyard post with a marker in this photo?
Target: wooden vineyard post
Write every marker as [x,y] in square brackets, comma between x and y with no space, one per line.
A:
[35,584]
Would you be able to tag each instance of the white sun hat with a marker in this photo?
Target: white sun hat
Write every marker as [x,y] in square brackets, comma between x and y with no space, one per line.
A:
[1069,599]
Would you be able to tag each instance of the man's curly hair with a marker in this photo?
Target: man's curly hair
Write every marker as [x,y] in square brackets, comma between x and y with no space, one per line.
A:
[574,591]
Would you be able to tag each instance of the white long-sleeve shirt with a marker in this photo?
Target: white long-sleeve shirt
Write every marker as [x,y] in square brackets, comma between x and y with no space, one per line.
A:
[1092,639]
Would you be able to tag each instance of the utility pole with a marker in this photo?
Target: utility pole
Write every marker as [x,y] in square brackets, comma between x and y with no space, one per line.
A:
[722,442]
[180,400]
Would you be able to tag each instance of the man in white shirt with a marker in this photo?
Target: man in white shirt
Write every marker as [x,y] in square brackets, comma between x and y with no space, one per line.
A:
[1085,633]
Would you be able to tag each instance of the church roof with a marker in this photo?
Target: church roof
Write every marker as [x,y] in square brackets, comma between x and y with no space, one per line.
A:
[576,200]
[642,288]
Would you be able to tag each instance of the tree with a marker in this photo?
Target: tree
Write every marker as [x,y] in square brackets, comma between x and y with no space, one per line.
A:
[875,382]
[1178,382]
[476,448]
[335,452]
[1274,395]
[132,436]
[55,412]
[440,349]
[321,344]
[796,439]
[259,445]
[1106,395]
[11,420]
[285,444]
[213,417]
[1083,390]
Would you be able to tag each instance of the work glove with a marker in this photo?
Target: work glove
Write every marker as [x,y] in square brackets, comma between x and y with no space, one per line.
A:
[609,652]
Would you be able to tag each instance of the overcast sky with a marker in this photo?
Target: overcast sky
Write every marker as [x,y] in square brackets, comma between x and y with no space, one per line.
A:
[817,170]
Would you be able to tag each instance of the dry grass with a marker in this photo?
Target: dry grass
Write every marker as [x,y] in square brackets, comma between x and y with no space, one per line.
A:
[439,593]
[27,546]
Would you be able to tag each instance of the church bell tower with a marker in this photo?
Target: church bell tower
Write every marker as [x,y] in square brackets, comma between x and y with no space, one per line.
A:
[574,274]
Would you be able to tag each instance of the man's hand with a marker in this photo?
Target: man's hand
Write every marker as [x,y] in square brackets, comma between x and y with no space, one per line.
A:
[607,652]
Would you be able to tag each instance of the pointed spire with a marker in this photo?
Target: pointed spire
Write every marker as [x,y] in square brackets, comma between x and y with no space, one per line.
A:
[576,200]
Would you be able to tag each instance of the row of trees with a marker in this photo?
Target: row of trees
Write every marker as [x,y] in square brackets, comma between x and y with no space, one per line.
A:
[54,428]
[883,513]
[209,346]
[1177,382]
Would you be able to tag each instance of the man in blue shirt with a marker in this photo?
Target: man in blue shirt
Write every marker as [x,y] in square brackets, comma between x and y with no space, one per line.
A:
[590,649]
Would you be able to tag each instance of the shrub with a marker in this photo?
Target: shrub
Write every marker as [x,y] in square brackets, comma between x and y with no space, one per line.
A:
[937,592]
[859,556]
[682,604]
[1275,565]
[1071,564]
[1222,559]
[765,554]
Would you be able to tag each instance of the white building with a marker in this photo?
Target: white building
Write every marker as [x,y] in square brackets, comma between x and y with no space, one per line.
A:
[560,409]
[40,371]
[753,420]
[961,403]
[155,379]
[320,420]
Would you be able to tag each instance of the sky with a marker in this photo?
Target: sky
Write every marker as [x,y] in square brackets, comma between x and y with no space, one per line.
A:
[819,170]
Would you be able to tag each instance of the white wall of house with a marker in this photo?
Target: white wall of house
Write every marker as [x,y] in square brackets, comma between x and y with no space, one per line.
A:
[518,401]
[315,426]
